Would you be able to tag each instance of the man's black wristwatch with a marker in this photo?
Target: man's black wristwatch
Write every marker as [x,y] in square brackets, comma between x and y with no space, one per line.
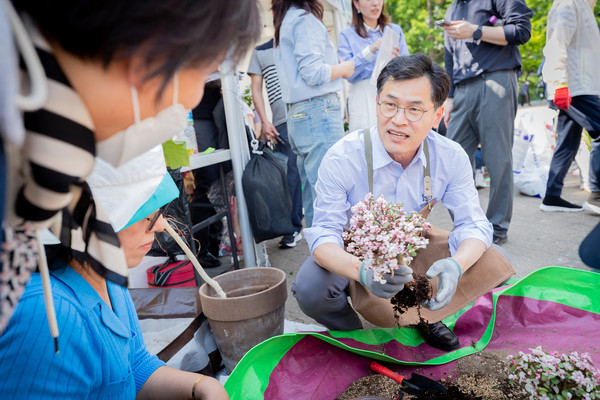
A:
[477,33]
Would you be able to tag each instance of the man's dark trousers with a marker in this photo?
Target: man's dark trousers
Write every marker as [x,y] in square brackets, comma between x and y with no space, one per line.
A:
[584,112]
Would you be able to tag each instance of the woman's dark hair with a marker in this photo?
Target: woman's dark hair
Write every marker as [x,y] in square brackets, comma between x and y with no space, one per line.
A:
[359,23]
[169,34]
[281,7]
[405,68]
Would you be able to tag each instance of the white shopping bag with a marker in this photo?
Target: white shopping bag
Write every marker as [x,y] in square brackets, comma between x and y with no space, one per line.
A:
[532,150]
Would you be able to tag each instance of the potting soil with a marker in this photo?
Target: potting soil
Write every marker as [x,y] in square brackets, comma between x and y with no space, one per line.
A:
[557,308]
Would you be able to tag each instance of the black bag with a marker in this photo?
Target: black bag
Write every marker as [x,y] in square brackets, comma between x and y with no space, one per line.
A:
[267,196]
[178,216]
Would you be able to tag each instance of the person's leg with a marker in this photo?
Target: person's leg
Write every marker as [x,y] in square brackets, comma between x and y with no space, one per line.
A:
[295,126]
[323,296]
[315,126]
[585,111]
[495,124]
[293,177]
[209,237]
[568,139]
[593,202]
[460,128]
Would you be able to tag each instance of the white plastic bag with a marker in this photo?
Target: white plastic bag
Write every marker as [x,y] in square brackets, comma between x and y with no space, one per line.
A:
[532,150]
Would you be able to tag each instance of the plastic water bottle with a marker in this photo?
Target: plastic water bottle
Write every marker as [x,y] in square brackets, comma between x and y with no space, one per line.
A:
[189,135]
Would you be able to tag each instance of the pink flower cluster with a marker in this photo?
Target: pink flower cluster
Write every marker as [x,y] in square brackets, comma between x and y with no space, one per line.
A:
[384,234]
[553,375]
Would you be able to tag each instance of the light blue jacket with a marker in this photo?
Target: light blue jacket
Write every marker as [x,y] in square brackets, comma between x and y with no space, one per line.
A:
[304,57]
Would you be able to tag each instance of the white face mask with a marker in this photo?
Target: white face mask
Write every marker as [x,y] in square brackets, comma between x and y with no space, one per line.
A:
[143,135]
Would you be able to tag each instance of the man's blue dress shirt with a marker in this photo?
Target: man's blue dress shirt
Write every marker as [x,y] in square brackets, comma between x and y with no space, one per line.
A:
[343,182]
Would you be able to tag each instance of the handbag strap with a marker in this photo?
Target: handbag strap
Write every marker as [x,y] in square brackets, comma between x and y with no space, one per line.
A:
[161,277]
[427,196]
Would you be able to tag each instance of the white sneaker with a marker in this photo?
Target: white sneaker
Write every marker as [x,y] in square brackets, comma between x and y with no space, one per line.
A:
[289,241]
[591,207]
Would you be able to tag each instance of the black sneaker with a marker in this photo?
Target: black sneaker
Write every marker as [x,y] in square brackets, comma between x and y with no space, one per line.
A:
[557,204]
[289,241]
[209,261]
[593,203]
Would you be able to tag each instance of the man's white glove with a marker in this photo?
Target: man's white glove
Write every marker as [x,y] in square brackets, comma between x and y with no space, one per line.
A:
[393,284]
[448,272]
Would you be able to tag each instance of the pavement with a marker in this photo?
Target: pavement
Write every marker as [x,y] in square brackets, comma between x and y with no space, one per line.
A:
[536,239]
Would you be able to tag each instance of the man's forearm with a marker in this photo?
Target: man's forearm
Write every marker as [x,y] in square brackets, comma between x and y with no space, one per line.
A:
[468,252]
[494,35]
[336,260]
[259,103]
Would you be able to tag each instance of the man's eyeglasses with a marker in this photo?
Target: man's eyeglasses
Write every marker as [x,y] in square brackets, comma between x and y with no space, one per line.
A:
[412,113]
[161,212]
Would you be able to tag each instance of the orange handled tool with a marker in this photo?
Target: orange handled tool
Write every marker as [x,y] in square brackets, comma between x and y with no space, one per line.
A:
[415,385]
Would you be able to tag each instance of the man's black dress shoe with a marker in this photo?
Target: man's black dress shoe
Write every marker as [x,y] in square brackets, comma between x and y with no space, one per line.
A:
[209,261]
[439,336]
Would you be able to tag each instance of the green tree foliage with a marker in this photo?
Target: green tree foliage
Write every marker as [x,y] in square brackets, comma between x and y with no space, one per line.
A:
[417,19]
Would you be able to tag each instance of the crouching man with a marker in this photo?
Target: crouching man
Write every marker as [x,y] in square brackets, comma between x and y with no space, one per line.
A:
[410,94]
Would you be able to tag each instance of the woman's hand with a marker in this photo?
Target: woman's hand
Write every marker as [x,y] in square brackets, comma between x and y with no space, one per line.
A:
[374,47]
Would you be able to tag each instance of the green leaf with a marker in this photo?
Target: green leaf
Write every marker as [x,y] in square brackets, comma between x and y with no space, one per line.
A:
[176,155]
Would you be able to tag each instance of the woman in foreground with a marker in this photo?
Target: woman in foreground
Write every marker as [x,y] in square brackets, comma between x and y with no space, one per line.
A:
[102,351]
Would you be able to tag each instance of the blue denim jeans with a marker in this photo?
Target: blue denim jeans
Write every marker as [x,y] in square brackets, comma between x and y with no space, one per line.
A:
[314,125]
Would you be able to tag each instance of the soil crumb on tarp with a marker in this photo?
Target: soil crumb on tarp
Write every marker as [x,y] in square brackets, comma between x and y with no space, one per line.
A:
[372,385]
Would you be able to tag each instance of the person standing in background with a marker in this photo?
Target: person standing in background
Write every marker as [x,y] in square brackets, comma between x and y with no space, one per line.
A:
[482,60]
[207,136]
[309,75]
[572,54]
[525,93]
[262,68]
[360,44]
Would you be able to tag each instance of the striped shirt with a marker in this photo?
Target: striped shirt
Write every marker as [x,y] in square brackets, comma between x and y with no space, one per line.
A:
[58,155]
[262,63]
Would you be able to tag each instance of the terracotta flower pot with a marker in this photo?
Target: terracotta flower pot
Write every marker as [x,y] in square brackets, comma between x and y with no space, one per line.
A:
[252,312]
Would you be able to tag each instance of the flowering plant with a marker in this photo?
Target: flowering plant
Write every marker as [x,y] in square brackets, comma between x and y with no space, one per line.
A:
[384,234]
[555,376]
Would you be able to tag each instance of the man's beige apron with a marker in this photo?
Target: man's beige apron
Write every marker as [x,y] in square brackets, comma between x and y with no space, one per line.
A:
[488,272]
